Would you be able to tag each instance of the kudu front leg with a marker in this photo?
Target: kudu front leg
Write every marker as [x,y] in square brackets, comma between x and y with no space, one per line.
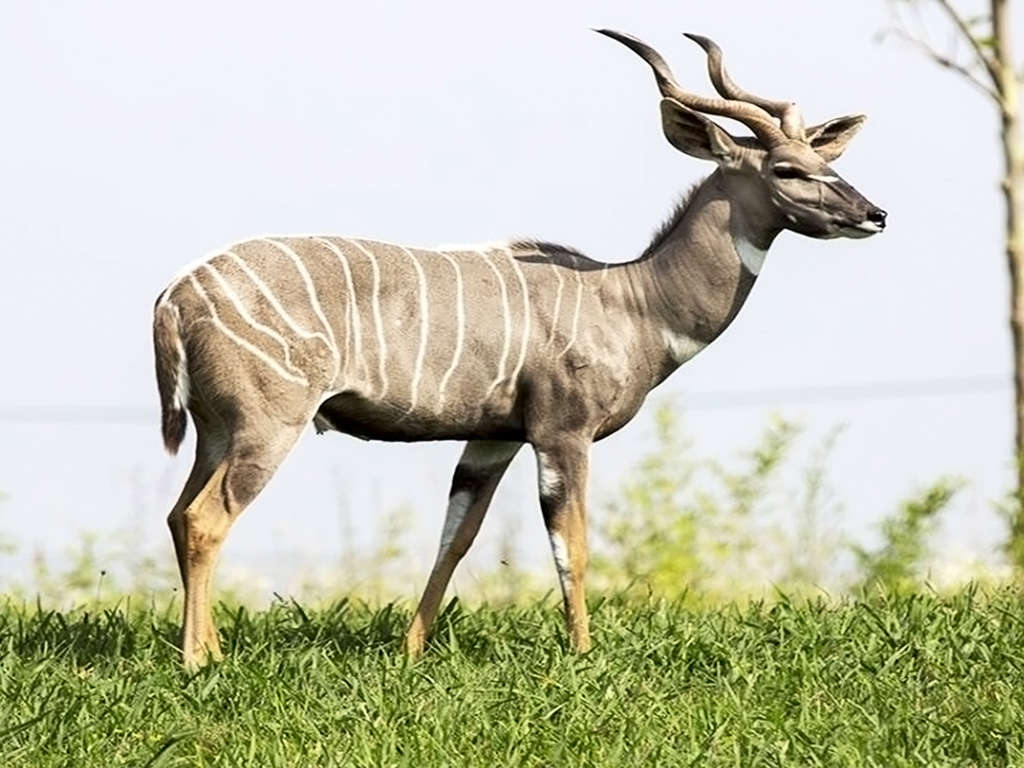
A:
[562,477]
[476,477]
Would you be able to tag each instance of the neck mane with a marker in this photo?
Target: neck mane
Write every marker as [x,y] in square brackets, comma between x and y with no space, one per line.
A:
[703,261]
[668,226]
[690,282]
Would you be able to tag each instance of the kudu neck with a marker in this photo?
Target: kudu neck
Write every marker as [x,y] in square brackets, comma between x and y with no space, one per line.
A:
[698,277]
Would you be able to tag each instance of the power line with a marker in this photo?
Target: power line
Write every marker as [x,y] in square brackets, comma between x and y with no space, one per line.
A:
[80,415]
[950,386]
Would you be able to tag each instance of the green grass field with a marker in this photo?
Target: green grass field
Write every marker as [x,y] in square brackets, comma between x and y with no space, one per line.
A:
[919,680]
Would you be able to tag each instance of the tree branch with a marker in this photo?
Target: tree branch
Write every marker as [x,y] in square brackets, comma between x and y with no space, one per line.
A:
[979,51]
[945,61]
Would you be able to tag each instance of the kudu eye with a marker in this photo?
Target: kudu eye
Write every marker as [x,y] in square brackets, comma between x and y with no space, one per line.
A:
[787,171]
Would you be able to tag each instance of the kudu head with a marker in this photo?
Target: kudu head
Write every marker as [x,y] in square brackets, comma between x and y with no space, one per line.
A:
[781,173]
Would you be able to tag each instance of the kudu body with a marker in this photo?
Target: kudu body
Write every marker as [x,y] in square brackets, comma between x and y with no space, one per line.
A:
[499,345]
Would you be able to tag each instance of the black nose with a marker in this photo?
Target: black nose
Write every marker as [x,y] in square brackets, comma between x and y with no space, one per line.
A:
[877,216]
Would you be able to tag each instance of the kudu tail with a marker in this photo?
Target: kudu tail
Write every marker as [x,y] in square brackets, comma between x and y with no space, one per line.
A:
[171,374]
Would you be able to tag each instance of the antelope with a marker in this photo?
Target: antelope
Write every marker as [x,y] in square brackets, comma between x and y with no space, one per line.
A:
[497,345]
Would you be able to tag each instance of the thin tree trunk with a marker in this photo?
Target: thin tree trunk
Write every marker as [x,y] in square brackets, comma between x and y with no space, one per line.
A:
[991,61]
[1008,88]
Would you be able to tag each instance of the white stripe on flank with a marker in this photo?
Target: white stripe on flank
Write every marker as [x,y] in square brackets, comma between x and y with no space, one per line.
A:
[558,302]
[236,300]
[424,330]
[252,348]
[823,179]
[460,330]
[507,324]
[272,299]
[382,351]
[450,247]
[526,316]
[313,300]
[352,306]
[187,270]
[576,311]
[184,273]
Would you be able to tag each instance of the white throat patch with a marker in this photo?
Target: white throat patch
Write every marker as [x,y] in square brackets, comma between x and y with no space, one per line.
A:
[751,256]
[680,346]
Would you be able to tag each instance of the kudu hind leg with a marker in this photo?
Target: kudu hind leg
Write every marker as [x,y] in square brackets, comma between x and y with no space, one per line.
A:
[476,477]
[209,454]
[562,477]
[209,460]
[200,527]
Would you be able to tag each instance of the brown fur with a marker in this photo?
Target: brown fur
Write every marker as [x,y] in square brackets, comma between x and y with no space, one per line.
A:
[498,345]
[173,419]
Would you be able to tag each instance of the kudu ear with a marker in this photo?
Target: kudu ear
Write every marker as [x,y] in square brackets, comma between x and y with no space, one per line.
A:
[829,139]
[696,135]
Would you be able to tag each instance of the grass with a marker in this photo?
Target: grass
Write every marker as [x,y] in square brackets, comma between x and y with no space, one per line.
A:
[890,681]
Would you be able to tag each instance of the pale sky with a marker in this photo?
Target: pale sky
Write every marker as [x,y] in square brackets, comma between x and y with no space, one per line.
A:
[137,139]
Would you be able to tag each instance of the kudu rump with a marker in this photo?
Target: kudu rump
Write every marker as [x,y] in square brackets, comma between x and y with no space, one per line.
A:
[497,345]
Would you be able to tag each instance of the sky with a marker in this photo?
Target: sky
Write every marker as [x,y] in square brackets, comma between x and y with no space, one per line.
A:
[137,139]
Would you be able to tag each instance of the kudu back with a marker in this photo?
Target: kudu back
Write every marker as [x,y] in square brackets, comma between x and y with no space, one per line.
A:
[497,345]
